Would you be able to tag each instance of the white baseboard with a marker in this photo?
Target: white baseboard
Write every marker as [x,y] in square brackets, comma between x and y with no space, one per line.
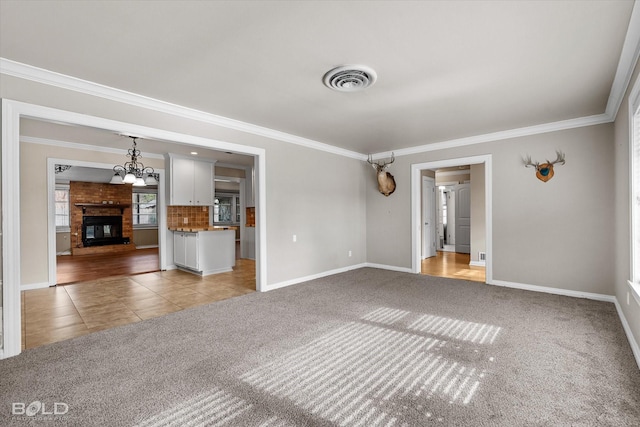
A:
[478,263]
[146,246]
[32,286]
[388,267]
[627,330]
[555,291]
[295,281]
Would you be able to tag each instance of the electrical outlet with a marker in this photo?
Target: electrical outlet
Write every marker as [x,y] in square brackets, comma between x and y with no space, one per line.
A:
[349,253]
[185,221]
[295,238]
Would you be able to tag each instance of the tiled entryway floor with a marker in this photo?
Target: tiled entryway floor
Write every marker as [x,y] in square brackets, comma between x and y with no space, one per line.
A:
[62,312]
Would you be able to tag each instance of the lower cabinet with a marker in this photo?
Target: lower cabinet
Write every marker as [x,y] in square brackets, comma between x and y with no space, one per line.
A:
[204,252]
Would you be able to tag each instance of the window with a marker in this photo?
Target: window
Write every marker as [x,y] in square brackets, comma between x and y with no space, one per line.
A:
[635,190]
[144,209]
[62,207]
[226,208]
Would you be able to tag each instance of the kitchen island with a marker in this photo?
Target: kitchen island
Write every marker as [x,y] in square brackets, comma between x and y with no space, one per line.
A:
[204,250]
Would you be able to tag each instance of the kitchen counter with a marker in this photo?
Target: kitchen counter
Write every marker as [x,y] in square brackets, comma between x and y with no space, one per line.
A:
[208,228]
[204,250]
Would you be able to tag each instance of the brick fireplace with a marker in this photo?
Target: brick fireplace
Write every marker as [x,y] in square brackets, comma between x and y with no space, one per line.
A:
[92,203]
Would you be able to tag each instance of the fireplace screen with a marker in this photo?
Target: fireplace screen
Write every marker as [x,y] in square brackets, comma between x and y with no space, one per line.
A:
[102,230]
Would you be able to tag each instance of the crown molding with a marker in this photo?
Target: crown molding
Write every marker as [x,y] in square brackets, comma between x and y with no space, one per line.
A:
[627,63]
[51,78]
[87,147]
[502,135]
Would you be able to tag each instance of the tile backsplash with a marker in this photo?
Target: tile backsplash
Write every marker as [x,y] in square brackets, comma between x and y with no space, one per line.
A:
[197,216]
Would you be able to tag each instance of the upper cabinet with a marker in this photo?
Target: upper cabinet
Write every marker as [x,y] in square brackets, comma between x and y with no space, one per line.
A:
[191,182]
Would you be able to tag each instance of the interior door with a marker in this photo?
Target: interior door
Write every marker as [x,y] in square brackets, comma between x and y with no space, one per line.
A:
[428,217]
[463,218]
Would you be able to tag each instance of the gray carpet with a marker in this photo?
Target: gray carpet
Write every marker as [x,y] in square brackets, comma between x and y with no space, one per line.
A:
[363,348]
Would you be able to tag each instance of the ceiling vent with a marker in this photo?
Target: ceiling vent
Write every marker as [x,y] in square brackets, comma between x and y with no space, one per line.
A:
[350,78]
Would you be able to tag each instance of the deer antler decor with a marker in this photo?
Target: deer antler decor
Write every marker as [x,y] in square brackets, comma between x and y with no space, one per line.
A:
[386,182]
[544,171]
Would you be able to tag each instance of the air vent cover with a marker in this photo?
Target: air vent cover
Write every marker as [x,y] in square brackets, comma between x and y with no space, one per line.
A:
[350,78]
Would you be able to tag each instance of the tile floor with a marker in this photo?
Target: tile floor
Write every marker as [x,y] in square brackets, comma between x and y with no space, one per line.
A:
[63,312]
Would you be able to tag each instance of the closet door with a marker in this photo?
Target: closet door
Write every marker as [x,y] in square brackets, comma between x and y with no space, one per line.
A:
[463,218]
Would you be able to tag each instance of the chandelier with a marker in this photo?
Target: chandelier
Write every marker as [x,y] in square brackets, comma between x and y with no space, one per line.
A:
[133,172]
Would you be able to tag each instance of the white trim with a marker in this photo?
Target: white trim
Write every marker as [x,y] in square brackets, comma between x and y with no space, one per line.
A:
[554,291]
[387,267]
[626,65]
[416,208]
[86,147]
[478,263]
[502,135]
[635,291]
[12,111]
[51,222]
[147,247]
[32,286]
[11,312]
[40,75]
[28,72]
[634,288]
[627,330]
[299,280]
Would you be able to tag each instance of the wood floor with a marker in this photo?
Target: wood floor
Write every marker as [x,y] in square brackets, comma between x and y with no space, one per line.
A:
[79,268]
[452,265]
[63,312]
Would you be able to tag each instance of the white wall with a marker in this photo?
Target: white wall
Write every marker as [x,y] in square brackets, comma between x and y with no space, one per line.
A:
[556,234]
[316,195]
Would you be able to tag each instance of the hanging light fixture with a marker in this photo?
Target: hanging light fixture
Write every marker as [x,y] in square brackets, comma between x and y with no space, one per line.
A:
[133,172]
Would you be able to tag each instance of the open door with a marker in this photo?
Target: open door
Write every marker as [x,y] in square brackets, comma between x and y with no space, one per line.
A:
[428,217]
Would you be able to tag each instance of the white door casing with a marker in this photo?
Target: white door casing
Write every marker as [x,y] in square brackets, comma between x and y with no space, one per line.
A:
[416,206]
[12,111]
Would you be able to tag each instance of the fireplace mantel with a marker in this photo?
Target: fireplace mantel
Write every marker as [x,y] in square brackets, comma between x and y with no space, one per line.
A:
[120,206]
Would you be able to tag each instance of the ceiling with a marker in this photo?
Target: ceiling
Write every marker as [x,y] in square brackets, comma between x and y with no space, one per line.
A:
[446,69]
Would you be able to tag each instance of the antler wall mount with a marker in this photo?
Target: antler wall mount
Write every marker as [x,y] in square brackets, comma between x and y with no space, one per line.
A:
[386,182]
[544,171]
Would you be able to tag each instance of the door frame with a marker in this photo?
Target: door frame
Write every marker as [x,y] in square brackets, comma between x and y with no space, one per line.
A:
[12,112]
[51,235]
[429,204]
[416,217]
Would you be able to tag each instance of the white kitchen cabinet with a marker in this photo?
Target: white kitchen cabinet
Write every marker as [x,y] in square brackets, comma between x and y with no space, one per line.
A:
[179,248]
[191,182]
[205,252]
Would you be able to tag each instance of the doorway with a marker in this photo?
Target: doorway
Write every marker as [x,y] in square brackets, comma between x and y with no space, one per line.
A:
[64,239]
[12,113]
[417,171]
